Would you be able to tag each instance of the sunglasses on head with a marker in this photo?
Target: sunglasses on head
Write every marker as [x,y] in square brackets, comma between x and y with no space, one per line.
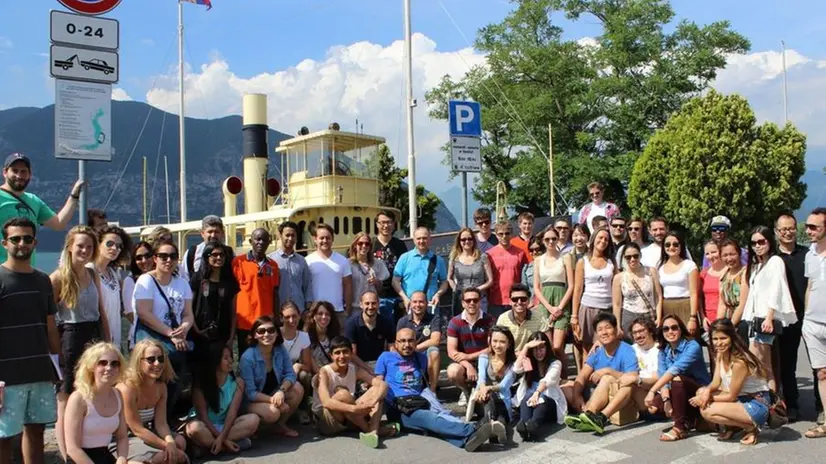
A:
[671,328]
[113,244]
[265,330]
[167,256]
[155,359]
[759,242]
[16,239]
[115,364]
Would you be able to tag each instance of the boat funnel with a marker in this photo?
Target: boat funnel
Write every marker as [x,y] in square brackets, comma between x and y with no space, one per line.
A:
[255,152]
[273,190]
[231,187]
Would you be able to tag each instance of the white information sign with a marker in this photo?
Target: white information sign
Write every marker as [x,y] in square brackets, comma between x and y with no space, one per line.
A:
[466,155]
[83,64]
[83,120]
[86,31]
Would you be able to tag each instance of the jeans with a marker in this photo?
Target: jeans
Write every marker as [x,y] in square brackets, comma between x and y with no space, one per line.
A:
[789,342]
[387,308]
[542,412]
[436,420]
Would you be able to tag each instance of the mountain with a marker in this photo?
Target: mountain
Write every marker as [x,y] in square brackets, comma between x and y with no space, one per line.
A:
[452,198]
[815,193]
[139,130]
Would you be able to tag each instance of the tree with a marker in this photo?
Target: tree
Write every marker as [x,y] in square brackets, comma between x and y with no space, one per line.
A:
[713,158]
[603,97]
[393,191]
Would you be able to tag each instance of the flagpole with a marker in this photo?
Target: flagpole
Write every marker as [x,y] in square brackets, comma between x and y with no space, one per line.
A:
[182,140]
[412,204]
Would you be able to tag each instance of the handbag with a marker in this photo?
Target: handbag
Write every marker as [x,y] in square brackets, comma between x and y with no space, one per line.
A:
[757,326]
[778,414]
[407,405]
[166,341]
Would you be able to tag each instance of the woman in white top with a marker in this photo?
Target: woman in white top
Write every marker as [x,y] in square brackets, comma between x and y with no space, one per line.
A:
[539,395]
[368,271]
[738,396]
[592,287]
[94,413]
[678,279]
[140,262]
[553,280]
[296,341]
[637,292]
[114,244]
[769,305]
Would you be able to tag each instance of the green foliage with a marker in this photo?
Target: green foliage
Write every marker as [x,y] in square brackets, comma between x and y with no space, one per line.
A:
[393,191]
[604,99]
[712,158]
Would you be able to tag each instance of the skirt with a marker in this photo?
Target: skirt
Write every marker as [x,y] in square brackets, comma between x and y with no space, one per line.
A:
[587,315]
[680,307]
[554,292]
[74,338]
[100,455]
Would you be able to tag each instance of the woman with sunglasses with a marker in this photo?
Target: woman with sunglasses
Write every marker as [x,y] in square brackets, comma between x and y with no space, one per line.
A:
[636,292]
[493,387]
[140,262]
[144,391]
[114,244]
[682,371]
[768,306]
[468,267]
[738,397]
[593,288]
[678,278]
[94,413]
[539,397]
[269,380]
[81,318]
[368,271]
[321,326]
[553,287]
[213,300]
[163,301]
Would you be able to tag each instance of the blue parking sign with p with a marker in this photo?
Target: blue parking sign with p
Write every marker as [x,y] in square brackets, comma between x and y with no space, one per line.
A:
[465,118]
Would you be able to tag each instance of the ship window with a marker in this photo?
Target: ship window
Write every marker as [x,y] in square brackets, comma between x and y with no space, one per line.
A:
[335,225]
[357,225]
[300,235]
[367,226]
[321,220]
[346,225]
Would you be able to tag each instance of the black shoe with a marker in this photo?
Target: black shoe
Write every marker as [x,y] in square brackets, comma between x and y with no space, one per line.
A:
[479,436]
[532,427]
[793,414]
[522,430]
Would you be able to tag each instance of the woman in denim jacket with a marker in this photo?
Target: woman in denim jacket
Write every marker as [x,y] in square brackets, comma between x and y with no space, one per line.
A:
[496,376]
[269,380]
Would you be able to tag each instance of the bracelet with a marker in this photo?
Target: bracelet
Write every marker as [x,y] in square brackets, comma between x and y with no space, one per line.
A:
[74,197]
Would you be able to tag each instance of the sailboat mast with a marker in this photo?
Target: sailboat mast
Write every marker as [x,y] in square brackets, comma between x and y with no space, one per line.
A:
[181,109]
[411,103]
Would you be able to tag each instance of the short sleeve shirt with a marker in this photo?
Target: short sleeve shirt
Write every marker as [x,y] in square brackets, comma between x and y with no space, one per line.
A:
[648,360]
[390,254]
[506,264]
[428,326]
[471,337]
[295,346]
[27,205]
[412,270]
[404,376]
[327,274]
[534,322]
[257,283]
[177,293]
[816,273]
[369,343]
[624,359]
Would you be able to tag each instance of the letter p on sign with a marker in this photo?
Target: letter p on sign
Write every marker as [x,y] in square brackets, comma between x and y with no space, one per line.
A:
[465,118]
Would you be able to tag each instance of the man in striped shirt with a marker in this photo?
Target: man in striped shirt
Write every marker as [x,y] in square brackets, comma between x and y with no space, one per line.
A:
[467,338]
[28,335]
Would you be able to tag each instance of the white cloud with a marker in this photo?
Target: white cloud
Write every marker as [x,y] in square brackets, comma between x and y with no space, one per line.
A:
[361,81]
[120,95]
[5,44]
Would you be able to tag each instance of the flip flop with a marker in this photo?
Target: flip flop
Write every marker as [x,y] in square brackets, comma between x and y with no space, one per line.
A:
[674,435]
[371,440]
[816,432]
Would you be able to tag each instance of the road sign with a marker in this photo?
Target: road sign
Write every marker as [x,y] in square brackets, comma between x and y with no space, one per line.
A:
[83,120]
[466,154]
[90,7]
[83,64]
[86,31]
[465,118]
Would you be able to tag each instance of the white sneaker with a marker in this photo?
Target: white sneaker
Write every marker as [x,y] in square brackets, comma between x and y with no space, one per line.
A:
[463,399]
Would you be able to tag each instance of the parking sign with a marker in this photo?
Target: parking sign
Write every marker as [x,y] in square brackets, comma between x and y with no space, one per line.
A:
[465,118]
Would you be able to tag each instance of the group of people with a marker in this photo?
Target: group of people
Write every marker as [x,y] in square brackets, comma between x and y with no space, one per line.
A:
[355,342]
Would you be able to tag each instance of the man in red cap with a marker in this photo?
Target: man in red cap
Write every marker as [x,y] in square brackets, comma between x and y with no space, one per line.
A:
[16,202]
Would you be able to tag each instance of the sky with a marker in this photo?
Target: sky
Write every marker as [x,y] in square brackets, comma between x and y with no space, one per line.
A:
[340,60]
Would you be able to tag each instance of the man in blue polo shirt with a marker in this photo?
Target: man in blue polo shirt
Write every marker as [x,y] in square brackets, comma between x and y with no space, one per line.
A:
[428,334]
[414,267]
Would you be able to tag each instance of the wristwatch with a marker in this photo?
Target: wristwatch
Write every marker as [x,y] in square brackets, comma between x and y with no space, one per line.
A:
[639,381]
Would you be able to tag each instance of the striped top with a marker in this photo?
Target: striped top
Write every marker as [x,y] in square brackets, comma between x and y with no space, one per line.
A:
[26,302]
[471,337]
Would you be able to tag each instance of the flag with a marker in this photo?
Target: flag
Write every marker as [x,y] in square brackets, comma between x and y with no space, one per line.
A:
[208,3]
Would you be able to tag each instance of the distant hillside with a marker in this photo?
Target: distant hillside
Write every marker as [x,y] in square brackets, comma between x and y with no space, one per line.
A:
[213,150]
[815,193]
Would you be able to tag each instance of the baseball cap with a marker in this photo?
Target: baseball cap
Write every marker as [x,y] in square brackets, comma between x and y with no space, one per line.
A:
[720,221]
[15,157]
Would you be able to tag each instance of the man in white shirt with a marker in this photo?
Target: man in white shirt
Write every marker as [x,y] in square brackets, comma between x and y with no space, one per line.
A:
[651,254]
[327,268]
[814,323]
[597,207]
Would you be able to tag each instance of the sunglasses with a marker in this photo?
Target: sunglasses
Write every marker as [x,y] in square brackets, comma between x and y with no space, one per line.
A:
[482,223]
[503,234]
[471,300]
[812,227]
[536,250]
[155,359]
[635,229]
[143,257]
[27,239]
[760,242]
[167,256]
[550,240]
[671,328]
[115,364]
[265,330]
[618,226]
[218,255]
[719,229]
[113,244]
[519,299]
[672,245]
[363,244]
[632,256]
[562,228]
[593,194]
[466,239]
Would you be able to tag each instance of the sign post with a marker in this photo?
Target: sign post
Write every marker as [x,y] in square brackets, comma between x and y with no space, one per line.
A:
[84,62]
[465,120]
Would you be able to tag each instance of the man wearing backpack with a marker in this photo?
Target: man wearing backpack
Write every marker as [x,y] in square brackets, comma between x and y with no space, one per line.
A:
[420,270]
[212,228]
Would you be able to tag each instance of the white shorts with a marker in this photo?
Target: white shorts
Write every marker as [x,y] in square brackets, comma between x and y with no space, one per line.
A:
[814,334]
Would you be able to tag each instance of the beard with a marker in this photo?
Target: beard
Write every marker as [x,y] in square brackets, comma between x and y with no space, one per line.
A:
[21,253]
[18,185]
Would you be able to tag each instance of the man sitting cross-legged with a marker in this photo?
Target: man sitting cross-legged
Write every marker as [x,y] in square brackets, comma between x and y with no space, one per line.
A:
[612,363]
[334,403]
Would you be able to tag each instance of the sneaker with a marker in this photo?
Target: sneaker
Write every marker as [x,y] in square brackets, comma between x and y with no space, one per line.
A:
[371,440]
[522,430]
[478,437]
[532,427]
[573,422]
[244,444]
[595,422]
[463,399]
[499,431]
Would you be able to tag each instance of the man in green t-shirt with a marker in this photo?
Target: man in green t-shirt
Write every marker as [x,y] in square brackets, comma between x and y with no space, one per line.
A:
[16,202]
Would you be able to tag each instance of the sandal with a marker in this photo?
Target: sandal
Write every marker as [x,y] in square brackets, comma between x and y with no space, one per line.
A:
[674,434]
[728,433]
[749,438]
[818,431]
[390,429]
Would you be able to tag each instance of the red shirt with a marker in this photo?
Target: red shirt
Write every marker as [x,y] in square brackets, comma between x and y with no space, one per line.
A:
[710,286]
[523,245]
[506,265]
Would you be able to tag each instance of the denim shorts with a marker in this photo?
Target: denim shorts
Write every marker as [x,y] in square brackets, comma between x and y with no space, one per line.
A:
[763,339]
[28,403]
[757,407]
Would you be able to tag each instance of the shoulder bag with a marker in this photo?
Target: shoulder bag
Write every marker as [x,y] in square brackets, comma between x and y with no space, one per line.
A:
[642,296]
[166,341]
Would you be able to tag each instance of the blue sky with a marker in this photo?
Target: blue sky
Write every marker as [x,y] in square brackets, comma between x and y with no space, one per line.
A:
[257,45]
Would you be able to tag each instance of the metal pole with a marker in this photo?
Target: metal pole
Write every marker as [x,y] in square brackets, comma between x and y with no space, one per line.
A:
[464,199]
[411,154]
[181,112]
[81,208]
[166,176]
[144,190]
[551,166]
[785,88]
